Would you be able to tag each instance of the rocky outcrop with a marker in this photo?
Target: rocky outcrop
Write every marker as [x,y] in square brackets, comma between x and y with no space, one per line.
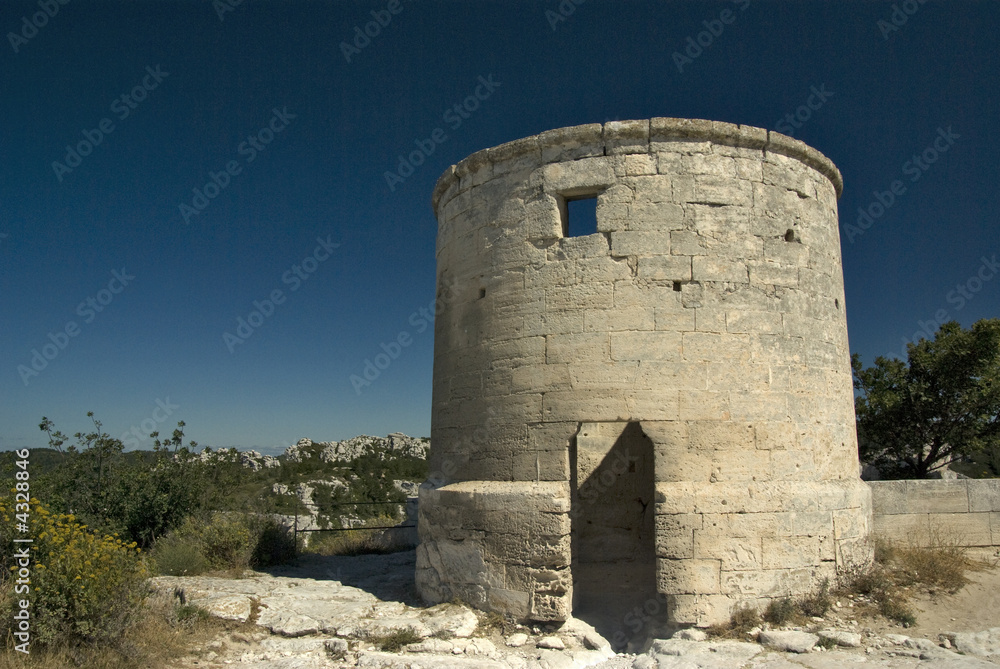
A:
[396,443]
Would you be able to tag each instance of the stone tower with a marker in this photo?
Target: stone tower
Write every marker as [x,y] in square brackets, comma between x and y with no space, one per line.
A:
[658,412]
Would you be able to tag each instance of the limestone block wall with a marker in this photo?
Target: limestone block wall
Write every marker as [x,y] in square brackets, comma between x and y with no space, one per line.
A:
[957,512]
[706,314]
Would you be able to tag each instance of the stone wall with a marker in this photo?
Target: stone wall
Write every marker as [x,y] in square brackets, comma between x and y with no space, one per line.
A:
[958,512]
[705,314]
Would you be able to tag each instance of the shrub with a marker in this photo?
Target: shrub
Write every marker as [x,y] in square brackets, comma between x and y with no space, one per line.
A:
[393,642]
[818,603]
[779,611]
[86,588]
[223,542]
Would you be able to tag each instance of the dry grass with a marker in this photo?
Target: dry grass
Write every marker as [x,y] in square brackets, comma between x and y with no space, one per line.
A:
[900,568]
[394,641]
[166,632]
[743,619]
[356,542]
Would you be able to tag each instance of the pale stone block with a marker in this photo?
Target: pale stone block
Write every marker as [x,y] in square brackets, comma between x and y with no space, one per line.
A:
[706,268]
[729,224]
[704,405]
[635,243]
[584,405]
[714,164]
[652,188]
[622,137]
[621,375]
[755,322]
[941,496]
[632,165]
[790,552]
[547,465]
[777,582]
[907,527]
[580,296]
[734,554]
[675,535]
[626,318]
[648,296]
[709,320]
[677,464]
[687,576]
[670,318]
[565,144]
[665,268]
[664,405]
[962,529]
[574,177]
[850,524]
[776,435]
[773,274]
[603,269]
[572,348]
[733,465]
[750,405]
[525,351]
[699,609]
[679,375]
[655,345]
[708,435]
[538,378]
[711,347]
[984,495]
[654,216]
[748,525]
[576,248]
[554,323]
[794,465]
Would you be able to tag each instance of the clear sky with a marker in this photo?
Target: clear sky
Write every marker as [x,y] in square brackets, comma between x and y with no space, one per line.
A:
[164,165]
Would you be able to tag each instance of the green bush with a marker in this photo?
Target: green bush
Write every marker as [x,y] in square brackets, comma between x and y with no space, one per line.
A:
[223,542]
[86,588]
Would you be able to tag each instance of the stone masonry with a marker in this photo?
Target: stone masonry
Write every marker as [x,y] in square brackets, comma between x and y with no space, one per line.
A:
[659,412]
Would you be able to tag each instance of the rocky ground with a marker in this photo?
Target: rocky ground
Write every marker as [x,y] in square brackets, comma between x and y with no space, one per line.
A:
[333,612]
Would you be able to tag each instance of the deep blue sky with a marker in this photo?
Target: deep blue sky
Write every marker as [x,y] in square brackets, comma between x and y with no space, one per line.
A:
[322,176]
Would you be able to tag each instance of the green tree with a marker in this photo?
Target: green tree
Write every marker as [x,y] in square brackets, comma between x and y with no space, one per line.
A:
[939,406]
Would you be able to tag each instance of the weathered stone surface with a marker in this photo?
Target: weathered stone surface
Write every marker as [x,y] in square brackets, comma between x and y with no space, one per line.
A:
[983,644]
[845,639]
[788,640]
[705,299]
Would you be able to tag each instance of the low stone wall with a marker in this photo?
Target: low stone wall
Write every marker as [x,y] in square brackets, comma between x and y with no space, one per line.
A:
[962,512]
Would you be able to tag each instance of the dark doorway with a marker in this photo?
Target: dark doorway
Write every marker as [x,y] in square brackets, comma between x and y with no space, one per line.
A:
[614,559]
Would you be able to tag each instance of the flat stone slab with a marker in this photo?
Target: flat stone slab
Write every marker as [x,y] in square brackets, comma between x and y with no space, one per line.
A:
[788,640]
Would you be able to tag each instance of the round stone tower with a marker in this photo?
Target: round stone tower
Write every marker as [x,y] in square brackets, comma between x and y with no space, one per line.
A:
[653,414]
